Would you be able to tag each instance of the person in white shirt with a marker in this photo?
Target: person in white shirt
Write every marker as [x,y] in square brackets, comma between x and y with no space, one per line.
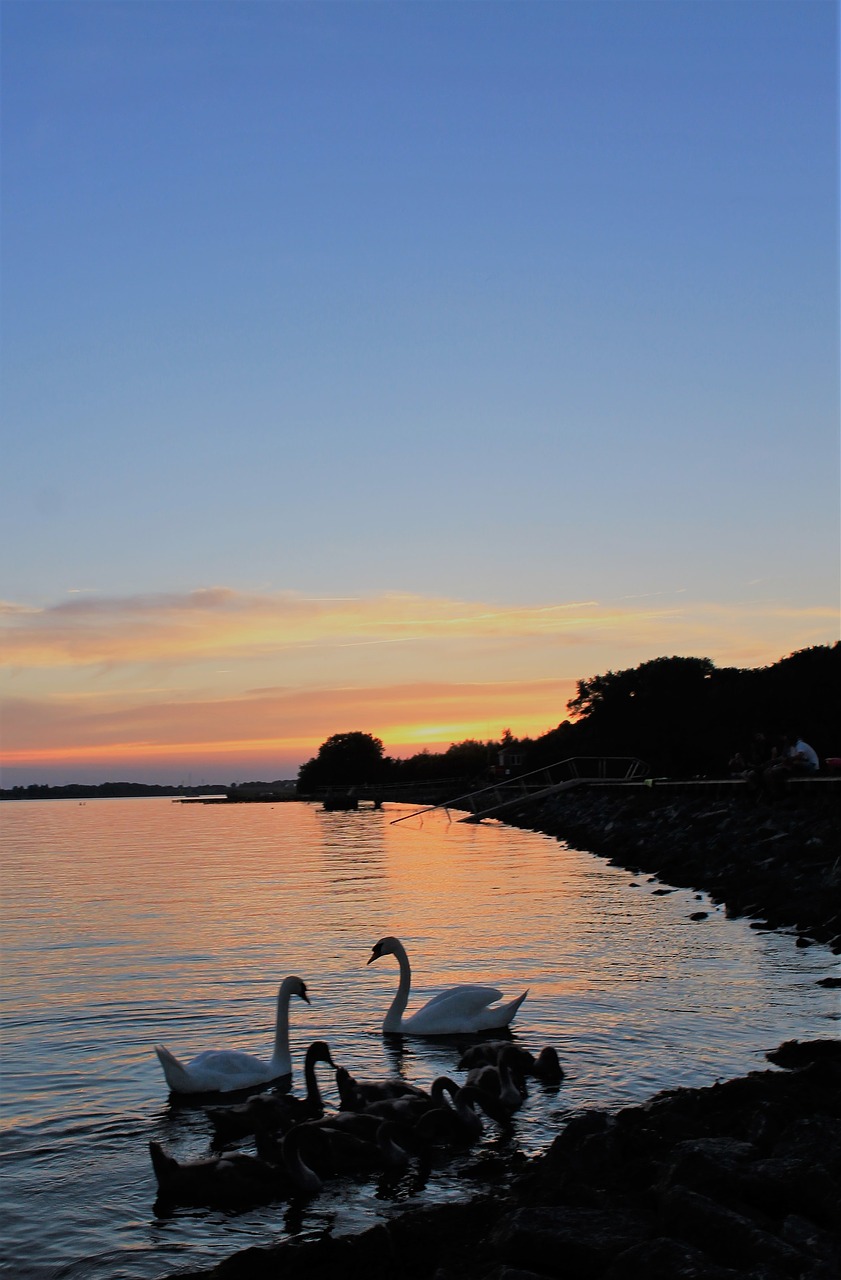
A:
[799,761]
[802,758]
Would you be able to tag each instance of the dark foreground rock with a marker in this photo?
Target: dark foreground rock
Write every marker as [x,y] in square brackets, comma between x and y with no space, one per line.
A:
[742,1179]
[779,862]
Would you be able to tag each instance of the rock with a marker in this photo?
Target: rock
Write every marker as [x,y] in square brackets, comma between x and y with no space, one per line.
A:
[815,1139]
[783,1185]
[707,1165]
[368,1253]
[813,1242]
[572,1242]
[728,1236]
[796,1053]
[513,1273]
[665,1259]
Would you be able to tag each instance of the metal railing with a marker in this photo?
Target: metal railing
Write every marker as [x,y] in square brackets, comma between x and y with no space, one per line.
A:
[578,770]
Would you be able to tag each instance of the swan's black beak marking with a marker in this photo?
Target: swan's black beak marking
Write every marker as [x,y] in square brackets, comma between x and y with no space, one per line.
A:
[375,952]
[304,995]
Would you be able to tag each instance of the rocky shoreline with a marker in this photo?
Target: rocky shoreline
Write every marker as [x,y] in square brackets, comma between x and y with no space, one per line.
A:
[740,1179]
[776,860]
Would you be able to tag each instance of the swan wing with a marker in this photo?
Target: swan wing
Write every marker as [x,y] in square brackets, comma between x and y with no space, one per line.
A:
[462,1009]
[465,993]
[215,1071]
[226,1062]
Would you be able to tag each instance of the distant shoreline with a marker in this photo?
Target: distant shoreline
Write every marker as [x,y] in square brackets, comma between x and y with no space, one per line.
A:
[279,790]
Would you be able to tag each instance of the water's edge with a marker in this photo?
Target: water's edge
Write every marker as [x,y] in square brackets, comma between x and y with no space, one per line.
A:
[778,860]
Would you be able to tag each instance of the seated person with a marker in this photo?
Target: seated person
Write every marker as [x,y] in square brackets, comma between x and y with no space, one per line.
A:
[751,763]
[802,758]
[798,760]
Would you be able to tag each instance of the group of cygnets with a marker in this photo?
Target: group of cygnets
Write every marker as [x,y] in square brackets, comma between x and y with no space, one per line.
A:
[379,1126]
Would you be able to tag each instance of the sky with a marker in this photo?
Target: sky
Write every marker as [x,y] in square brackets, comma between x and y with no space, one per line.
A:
[390,367]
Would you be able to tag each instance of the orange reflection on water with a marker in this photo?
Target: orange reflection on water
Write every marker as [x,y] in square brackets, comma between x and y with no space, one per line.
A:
[141,920]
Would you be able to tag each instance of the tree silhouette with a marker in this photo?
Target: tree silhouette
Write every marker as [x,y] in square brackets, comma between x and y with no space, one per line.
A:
[684,717]
[343,760]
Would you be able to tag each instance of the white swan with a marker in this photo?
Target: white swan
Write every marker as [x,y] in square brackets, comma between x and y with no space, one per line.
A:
[227,1070]
[466,1008]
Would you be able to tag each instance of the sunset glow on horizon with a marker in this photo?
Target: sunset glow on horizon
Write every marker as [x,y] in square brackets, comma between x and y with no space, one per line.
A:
[139,685]
[392,368]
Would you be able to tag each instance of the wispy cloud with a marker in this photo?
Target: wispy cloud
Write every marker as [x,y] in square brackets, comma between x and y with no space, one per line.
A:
[223,624]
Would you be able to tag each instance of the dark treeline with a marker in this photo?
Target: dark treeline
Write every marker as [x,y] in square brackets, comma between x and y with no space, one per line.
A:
[684,717]
[103,790]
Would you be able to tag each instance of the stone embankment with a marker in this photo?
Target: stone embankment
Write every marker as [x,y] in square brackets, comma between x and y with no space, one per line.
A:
[778,861]
[738,1181]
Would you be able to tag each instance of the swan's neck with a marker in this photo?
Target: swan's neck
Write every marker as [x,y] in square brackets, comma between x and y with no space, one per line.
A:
[394,1018]
[281,1034]
[314,1098]
[463,1103]
[299,1171]
[443,1085]
[508,1091]
[392,1152]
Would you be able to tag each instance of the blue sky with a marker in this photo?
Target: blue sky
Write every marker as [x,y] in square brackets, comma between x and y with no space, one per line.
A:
[508,305]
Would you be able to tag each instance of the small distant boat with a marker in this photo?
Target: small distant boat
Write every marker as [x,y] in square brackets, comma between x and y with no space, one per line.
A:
[345,800]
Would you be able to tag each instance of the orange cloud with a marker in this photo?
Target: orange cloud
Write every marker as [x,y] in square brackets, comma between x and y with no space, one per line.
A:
[279,720]
[218,674]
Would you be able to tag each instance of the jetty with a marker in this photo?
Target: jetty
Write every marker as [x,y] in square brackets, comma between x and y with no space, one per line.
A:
[489,801]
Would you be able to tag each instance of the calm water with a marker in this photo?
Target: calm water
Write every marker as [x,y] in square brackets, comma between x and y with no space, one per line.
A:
[126,922]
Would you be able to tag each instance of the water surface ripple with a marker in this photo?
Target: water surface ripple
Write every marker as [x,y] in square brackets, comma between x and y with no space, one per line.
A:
[127,922]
